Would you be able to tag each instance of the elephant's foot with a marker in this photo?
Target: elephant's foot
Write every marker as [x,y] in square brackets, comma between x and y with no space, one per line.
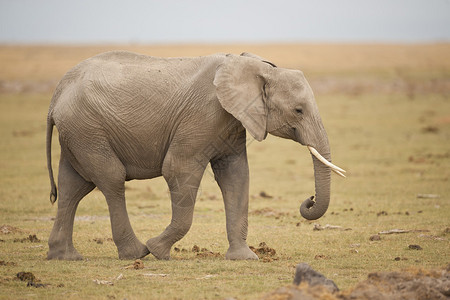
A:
[158,248]
[241,252]
[132,250]
[63,253]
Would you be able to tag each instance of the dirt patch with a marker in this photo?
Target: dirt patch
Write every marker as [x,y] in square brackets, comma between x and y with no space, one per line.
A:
[32,281]
[203,252]
[25,276]
[102,240]
[98,240]
[321,256]
[7,229]
[137,265]
[36,284]
[7,263]
[263,194]
[183,250]
[375,237]
[31,238]
[407,284]
[430,129]
[411,284]
[301,292]
[269,212]
[415,247]
[429,158]
[264,252]
[382,213]
[208,253]
[398,258]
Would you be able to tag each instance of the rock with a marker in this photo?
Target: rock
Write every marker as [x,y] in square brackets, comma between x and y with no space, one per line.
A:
[398,258]
[375,237]
[415,247]
[263,194]
[304,273]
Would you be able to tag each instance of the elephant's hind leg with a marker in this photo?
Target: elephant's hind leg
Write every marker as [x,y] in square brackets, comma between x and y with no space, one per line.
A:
[72,188]
[110,179]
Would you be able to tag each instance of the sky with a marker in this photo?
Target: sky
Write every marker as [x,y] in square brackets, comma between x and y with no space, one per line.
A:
[229,21]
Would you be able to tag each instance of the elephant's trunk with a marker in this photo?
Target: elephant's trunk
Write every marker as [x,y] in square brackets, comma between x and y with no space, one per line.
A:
[310,209]
[315,206]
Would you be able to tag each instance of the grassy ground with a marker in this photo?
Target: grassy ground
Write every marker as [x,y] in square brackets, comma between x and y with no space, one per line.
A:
[387,113]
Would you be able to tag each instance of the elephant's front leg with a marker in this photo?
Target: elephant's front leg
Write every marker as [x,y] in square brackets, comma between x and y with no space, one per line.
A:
[232,176]
[183,187]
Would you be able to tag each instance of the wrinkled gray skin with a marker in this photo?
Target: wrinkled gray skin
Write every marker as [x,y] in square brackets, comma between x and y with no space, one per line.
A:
[124,116]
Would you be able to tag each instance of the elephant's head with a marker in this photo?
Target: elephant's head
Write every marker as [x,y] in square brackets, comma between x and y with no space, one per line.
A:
[267,99]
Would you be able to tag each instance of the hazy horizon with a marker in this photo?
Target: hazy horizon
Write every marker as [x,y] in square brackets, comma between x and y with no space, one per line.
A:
[233,21]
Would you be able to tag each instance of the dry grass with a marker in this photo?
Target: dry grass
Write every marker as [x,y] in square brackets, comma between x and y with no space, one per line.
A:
[51,62]
[388,119]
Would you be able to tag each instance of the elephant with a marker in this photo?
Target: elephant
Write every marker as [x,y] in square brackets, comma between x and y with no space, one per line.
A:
[123,116]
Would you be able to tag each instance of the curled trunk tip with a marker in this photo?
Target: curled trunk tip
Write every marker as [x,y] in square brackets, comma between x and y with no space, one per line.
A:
[308,210]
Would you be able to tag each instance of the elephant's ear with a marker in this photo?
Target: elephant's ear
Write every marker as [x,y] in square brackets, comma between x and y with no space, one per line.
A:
[239,83]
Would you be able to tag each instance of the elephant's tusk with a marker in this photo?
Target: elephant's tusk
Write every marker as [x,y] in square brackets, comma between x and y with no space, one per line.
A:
[339,173]
[336,169]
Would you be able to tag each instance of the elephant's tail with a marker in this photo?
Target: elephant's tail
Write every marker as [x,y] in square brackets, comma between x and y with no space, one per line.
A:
[53,192]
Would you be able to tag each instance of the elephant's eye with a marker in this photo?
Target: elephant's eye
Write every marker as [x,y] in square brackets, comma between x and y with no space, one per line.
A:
[299,111]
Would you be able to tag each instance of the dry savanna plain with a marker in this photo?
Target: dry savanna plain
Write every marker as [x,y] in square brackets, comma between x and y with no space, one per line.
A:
[386,109]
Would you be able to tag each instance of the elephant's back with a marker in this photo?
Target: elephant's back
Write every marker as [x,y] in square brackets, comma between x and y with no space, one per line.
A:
[119,58]
[131,90]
